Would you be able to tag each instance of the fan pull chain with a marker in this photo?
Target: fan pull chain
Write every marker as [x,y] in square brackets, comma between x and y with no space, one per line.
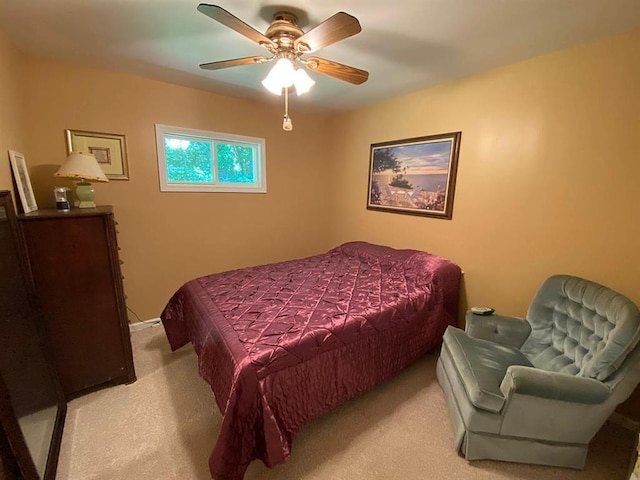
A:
[287,125]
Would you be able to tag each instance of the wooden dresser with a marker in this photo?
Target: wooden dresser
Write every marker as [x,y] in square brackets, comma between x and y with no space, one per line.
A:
[76,269]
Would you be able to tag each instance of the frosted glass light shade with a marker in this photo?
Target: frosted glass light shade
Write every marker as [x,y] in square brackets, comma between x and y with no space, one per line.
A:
[281,76]
[302,81]
[81,166]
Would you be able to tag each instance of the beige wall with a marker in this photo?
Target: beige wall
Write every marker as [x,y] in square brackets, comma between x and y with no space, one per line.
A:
[548,173]
[546,182]
[11,125]
[168,238]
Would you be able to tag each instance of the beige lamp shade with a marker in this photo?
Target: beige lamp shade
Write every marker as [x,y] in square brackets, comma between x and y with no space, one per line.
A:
[81,166]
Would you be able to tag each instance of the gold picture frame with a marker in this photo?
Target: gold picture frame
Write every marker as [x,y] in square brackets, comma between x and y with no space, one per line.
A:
[22,182]
[110,150]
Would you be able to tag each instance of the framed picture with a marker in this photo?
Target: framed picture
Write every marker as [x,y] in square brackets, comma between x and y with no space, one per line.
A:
[109,149]
[23,182]
[416,176]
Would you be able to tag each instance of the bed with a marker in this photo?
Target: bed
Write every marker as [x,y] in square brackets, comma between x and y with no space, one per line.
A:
[281,344]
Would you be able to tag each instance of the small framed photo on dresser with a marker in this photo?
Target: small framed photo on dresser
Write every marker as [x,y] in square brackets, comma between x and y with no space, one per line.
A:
[22,181]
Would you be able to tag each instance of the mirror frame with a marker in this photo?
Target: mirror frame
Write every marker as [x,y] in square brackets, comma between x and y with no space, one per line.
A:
[21,462]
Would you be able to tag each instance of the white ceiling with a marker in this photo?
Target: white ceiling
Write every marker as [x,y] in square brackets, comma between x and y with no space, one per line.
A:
[406,45]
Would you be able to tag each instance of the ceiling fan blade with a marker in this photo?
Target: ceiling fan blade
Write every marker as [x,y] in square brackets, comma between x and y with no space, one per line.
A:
[337,70]
[236,62]
[332,30]
[219,14]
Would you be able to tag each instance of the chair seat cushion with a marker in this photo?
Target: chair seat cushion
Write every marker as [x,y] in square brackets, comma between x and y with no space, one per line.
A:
[481,366]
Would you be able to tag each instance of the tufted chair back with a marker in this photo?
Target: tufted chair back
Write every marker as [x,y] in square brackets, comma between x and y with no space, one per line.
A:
[580,328]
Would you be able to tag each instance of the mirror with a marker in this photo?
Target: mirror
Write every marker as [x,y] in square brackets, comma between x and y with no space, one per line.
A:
[32,405]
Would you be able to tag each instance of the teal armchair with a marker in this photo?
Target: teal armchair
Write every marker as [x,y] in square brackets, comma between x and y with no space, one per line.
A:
[536,390]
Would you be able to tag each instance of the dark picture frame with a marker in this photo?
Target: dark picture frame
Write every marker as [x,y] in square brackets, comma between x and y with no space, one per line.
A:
[414,176]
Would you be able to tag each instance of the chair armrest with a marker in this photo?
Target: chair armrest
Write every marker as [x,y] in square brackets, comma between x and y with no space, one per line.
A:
[556,386]
[510,331]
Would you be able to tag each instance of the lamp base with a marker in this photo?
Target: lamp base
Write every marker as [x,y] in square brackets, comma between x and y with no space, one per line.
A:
[86,194]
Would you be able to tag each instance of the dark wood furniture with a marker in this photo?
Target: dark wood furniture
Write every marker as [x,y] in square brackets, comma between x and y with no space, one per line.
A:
[32,406]
[630,408]
[76,269]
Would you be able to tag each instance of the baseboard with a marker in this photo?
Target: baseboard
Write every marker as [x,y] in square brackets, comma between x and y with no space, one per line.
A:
[134,327]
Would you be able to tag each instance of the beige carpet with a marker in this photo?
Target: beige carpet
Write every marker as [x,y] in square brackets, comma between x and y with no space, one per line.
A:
[164,425]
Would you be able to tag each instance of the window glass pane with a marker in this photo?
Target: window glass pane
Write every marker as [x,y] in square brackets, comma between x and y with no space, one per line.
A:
[235,163]
[188,160]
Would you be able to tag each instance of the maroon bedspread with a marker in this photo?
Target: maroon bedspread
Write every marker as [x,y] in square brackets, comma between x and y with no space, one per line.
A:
[284,343]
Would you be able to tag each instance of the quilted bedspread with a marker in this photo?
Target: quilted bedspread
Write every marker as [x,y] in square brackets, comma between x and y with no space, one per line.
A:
[281,344]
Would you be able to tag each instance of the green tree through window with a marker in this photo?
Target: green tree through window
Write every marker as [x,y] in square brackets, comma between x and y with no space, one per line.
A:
[235,163]
[188,160]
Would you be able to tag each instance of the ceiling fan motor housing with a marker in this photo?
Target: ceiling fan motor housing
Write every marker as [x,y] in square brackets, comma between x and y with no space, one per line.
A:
[284,31]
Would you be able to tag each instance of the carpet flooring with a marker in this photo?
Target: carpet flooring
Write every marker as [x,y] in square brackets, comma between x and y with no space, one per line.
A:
[164,426]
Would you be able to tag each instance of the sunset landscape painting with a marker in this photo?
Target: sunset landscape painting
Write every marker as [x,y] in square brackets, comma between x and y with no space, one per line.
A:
[414,176]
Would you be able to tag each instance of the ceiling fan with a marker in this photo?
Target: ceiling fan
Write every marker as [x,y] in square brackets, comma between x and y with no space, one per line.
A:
[289,46]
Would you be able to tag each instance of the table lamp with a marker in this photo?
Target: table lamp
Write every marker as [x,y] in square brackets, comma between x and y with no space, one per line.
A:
[83,167]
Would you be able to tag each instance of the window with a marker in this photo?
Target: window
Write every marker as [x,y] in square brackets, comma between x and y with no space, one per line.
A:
[200,161]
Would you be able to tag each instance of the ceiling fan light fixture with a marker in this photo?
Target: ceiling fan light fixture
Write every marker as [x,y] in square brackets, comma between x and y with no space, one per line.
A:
[271,85]
[302,81]
[287,43]
[282,75]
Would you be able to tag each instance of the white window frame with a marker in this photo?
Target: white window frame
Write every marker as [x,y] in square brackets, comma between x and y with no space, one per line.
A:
[260,166]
